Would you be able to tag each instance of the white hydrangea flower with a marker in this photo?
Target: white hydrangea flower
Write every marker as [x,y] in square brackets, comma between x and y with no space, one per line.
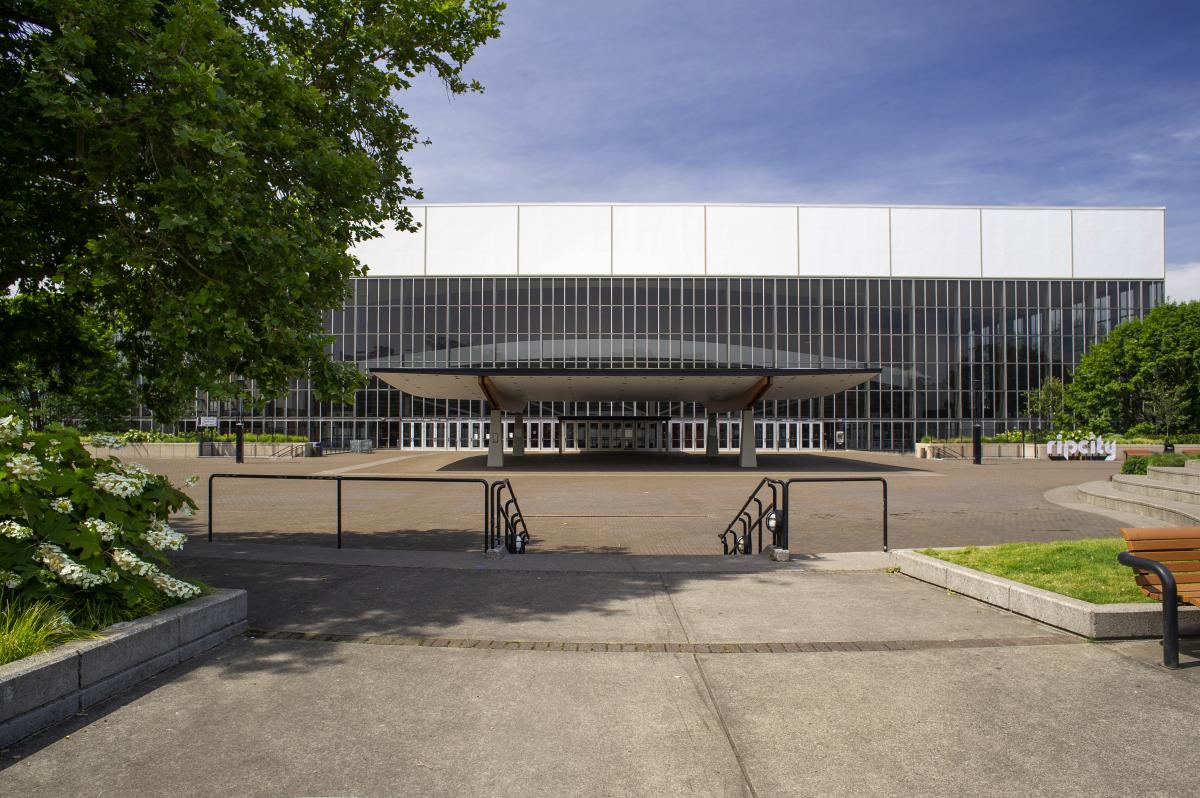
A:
[67,570]
[187,511]
[62,622]
[10,579]
[25,466]
[127,561]
[107,530]
[118,484]
[61,505]
[190,481]
[103,440]
[27,445]
[11,428]
[11,529]
[160,536]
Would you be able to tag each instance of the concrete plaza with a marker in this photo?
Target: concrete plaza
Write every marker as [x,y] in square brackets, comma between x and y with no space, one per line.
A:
[380,671]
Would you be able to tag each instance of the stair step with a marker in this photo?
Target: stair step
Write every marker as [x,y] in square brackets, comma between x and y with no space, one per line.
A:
[1105,494]
[1175,475]
[1154,488]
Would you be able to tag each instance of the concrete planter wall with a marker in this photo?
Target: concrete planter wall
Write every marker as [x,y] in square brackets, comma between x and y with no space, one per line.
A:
[47,688]
[964,450]
[173,451]
[1095,621]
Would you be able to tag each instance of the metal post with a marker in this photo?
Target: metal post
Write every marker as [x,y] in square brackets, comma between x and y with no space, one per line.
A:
[885,514]
[781,522]
[339,512]
[239,446]
[977,443]
[210,507]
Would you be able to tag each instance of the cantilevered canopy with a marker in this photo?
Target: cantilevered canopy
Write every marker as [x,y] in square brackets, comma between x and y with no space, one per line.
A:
[719,390]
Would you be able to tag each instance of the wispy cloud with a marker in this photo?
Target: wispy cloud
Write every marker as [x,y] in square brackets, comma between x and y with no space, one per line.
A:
[1183,282]
[855,101]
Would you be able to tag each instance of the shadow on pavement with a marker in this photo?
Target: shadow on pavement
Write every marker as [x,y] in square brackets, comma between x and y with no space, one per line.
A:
[536,462]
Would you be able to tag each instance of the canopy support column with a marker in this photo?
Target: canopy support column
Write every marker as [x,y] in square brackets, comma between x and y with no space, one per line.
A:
[519,435]
[710,436]
[496,440]
[749,457]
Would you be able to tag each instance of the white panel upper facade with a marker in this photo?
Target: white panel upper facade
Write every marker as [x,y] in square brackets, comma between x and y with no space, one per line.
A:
[471,239]
[935,242]
[774,240]
[851,242]
[1026,241]
[1119,244]
[750,239]
[658,239]
[565,239]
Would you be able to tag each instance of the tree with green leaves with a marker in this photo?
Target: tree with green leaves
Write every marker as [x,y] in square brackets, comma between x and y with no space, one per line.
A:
[1046,402]
[1164,404]
[191,174]
[1118,380]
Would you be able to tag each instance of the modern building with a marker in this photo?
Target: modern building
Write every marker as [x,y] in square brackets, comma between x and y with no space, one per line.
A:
[675,327]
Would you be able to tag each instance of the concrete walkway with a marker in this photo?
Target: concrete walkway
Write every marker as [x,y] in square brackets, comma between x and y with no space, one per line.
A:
[404,677]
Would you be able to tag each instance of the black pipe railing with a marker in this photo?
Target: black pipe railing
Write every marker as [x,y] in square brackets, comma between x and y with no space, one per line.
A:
[1170,602]
[787,485]
[749,522]
[775,515]
[507,523]
[339,479]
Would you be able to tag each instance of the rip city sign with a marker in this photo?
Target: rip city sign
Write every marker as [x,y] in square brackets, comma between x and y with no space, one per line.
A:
[1094,448]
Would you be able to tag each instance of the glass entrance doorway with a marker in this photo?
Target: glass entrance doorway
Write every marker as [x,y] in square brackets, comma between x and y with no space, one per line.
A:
[611,436]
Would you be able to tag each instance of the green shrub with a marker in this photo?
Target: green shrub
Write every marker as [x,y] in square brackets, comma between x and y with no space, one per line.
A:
[88,533]
[1134,465]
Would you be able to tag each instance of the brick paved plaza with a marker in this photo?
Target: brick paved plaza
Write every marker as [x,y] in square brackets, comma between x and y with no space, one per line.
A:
[645,504]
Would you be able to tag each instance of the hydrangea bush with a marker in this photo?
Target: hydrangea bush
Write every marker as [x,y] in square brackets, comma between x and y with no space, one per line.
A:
[79,529]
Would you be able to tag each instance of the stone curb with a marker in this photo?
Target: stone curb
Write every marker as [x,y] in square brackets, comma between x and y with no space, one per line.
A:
[46,688]
[1094,621]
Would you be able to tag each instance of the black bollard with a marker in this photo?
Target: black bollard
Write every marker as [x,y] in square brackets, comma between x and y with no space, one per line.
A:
[977,443]
[239,446]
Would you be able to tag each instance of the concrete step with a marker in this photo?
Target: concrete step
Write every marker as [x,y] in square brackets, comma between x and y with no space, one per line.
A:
[1175,475]
[1155,488]
[1105,494]
[1193,464]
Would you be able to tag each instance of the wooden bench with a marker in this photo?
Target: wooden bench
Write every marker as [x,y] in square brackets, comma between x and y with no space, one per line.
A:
[1166,565]
[1138,453]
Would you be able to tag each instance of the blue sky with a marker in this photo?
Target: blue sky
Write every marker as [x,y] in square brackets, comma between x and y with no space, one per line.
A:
[1001,102]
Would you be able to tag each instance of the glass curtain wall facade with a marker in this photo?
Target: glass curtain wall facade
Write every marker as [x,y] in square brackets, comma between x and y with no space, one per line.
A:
[952,351]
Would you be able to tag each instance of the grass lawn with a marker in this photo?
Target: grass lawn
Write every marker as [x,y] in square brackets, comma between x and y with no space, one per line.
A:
[1082,569]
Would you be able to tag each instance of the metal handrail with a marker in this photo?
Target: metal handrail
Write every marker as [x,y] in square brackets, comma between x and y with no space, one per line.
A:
[339,479]
[1170,602]
[510,521]
[781,524]
[743,543]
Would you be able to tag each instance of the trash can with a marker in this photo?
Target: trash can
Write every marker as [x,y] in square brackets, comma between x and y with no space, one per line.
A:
[315,449]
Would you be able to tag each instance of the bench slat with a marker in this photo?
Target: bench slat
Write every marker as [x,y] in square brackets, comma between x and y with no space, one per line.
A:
[1164,545]
[1173,556]
[1162,533]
